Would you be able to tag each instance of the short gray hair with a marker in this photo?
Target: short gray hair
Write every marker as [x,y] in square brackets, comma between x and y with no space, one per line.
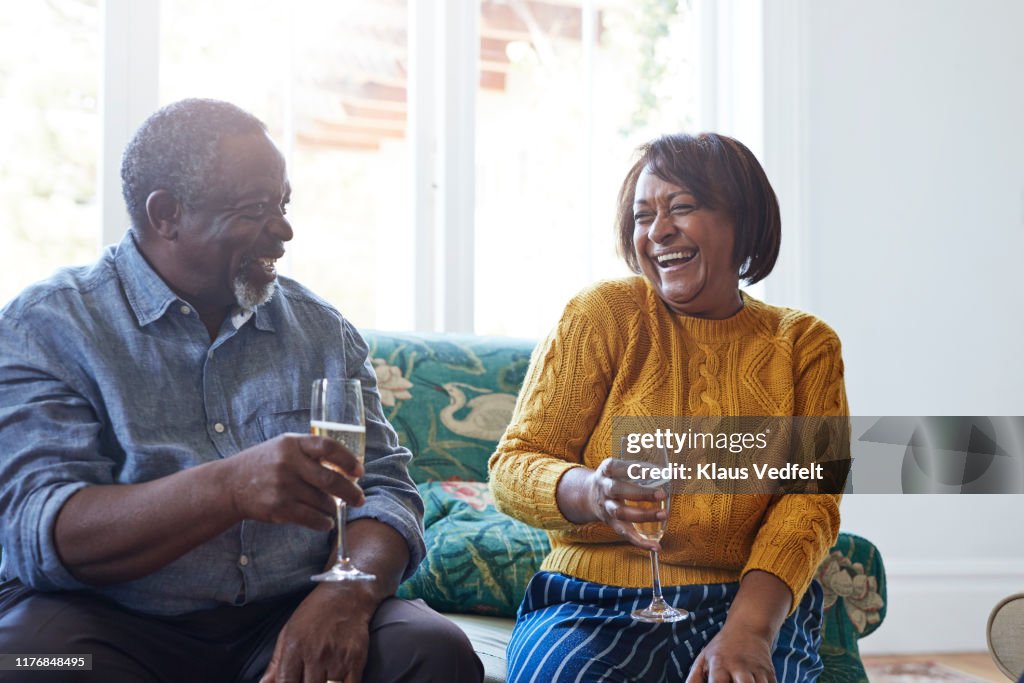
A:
[175,149]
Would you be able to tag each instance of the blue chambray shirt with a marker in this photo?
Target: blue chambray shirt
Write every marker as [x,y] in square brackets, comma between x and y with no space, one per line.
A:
[107,377]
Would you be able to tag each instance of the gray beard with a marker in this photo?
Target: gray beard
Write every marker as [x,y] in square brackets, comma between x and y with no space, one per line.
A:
[249,295]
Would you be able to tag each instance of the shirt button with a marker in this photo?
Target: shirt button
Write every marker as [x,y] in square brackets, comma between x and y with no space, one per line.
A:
[243,560]
[185,310]
[219,428]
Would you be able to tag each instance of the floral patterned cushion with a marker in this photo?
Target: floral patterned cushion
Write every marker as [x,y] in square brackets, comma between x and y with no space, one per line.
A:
[478,560]
[449,397]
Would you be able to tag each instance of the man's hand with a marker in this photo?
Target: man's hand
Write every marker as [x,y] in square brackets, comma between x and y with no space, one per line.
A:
[282,481]
[326,639]
[734,655]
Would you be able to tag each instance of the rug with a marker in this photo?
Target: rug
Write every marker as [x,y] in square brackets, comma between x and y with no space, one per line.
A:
[917,672]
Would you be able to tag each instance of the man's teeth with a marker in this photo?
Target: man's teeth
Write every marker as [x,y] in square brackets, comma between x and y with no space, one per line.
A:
[266,262]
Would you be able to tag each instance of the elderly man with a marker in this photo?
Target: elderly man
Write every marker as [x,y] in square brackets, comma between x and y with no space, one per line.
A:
[163,505]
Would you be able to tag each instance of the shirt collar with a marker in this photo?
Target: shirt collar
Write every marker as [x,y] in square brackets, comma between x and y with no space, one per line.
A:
[240,316]
[149,296]
[262,313]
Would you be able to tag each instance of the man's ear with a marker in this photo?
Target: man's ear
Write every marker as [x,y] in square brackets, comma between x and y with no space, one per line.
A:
[164,212]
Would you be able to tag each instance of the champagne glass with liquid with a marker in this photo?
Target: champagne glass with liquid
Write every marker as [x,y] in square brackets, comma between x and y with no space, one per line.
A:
[337,413]
[659,611]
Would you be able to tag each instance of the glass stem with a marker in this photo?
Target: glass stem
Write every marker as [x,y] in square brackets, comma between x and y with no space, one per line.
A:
[342,516]
[656,579]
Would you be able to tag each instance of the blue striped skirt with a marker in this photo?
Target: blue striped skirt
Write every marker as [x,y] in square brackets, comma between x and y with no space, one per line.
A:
[573,630]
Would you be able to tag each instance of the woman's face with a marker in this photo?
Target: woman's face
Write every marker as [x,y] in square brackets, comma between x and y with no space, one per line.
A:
[685,250]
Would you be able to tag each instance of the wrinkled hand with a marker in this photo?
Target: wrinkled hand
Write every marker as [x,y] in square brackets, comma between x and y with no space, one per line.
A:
[282,481]
[608,489]
[734,655]
[326,639]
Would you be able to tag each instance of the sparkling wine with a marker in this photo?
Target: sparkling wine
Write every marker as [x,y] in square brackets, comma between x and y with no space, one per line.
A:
[352,437]
[336,412]
[652,531]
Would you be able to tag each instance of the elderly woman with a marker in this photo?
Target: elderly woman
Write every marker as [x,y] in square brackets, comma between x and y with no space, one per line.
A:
[696,215]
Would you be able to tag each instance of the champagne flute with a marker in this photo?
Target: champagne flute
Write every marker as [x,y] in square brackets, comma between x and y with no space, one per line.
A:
[659,611]
[337,413]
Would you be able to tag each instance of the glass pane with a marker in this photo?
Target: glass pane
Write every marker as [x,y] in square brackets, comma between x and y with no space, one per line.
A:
[328,77]
[567,92]
[232,50]
[49,140]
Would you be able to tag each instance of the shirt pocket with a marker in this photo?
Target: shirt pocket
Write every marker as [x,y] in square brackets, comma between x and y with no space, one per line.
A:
[282,422]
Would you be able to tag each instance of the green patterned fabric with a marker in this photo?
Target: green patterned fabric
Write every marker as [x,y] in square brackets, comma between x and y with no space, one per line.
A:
[478,560]
[853,578]
[450,398]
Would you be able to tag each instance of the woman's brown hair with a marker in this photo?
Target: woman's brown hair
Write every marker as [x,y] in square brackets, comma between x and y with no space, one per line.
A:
[722,174]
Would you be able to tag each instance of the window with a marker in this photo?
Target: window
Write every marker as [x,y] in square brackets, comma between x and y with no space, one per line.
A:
[567,93]
[564,92]
[455,163]
[49,79]
[328,78]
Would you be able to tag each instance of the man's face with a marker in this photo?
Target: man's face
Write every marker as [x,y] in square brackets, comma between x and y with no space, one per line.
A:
[229,244]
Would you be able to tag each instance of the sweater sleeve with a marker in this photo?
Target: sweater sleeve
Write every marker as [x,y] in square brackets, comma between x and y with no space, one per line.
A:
[798,530]
[557,410]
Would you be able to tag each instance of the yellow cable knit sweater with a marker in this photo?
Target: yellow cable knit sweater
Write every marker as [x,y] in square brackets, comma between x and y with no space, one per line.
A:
[619,351]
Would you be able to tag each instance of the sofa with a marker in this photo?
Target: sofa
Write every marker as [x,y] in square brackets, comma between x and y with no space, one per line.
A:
[450,398]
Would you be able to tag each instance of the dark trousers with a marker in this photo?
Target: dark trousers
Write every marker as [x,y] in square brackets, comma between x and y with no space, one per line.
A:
[408,640]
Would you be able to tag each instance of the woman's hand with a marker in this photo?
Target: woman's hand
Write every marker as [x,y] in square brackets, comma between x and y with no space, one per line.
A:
[734,655]
[600,495]
[742,650]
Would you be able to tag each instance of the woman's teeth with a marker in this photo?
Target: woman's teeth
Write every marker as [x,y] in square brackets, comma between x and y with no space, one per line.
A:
[676,257]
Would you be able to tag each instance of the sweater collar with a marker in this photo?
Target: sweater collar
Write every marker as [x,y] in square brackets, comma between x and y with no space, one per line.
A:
[707,330]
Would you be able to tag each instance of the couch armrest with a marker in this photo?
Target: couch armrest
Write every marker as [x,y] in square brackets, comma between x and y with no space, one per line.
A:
[853,578]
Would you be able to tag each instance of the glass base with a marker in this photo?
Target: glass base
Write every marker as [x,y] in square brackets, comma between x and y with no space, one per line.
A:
[665,614]
[343,571]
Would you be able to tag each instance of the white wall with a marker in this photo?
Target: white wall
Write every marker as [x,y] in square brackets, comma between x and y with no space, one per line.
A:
[896,130]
